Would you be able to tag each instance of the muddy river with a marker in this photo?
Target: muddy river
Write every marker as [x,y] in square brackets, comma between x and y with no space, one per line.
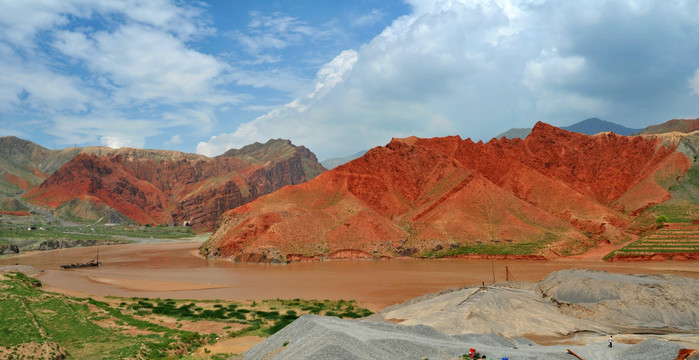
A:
[174,270]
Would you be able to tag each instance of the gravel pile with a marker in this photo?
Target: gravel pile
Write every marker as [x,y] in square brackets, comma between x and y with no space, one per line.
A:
[651,349]
[495,320]
[320,337]
[649,301]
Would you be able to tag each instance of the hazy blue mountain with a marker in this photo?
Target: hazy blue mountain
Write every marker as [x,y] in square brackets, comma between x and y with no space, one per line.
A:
[335,162]
[594,126]
[589,126]
[515,133]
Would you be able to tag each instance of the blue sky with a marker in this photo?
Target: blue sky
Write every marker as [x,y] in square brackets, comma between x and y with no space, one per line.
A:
[336,76]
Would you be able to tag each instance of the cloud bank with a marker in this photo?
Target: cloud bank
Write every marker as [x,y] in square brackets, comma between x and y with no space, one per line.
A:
[477,68]
[106,72]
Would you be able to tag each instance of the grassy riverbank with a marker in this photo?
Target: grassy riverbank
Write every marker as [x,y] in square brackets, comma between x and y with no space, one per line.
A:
[120,328]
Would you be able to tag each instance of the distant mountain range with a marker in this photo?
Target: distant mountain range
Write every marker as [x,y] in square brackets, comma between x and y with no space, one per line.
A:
[590,126]
[335,162]
[148,186]
[554,193]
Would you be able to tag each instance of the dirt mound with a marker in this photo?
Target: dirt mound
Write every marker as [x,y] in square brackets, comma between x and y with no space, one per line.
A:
[167,187]
[555,192]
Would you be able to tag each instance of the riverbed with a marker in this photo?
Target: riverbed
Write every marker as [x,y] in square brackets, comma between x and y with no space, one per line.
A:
[175,270]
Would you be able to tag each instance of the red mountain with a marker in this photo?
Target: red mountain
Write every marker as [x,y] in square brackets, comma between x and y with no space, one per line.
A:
[554,192]
[675,125]
[161,187]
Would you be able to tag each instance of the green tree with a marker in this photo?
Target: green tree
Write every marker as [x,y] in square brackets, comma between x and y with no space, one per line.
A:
[662,219]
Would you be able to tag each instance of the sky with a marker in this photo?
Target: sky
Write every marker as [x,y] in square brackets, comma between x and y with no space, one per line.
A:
[336,76]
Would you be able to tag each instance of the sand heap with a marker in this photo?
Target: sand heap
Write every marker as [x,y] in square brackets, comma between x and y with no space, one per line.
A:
[497,320]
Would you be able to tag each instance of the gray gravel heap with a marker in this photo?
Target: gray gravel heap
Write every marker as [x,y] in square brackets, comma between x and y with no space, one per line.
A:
[649,301]
[584,303]
[320,337]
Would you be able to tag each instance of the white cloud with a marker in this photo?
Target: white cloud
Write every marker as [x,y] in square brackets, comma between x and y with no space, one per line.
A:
[106,129]
[329,76]
[371,18]
[122,140]
[33,84]
[175,140]
[118,81]
[145,64]
[479,67]
[694,82]
[272,32]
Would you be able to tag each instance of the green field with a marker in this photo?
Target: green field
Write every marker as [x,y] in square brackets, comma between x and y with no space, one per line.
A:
[496,248]
[675,239]
[135,327]
[29,236]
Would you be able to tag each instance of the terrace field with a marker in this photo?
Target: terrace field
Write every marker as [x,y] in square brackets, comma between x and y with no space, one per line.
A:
[672,241]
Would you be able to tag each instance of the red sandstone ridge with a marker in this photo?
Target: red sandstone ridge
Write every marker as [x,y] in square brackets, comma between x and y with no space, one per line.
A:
[162,187]
[675,125]
[556,192]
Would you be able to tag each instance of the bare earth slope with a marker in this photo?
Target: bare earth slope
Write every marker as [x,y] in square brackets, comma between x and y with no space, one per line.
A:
[165,187]
[675,125]
[554,192]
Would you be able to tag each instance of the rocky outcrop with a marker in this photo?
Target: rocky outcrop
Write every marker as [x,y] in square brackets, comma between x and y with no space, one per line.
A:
[8,249]
[557,191]
[165,187]
[68,243]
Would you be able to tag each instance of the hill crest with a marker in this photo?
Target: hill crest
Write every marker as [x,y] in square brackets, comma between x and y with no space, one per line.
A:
[170,187]
[557,191]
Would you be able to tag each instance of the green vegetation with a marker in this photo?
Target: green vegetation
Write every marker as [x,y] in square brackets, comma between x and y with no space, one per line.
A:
[507,247]
[662,219]
[684,204]
[101,234]
[260,319]
[662,241]
[527,248]
[135,327]
[32,315]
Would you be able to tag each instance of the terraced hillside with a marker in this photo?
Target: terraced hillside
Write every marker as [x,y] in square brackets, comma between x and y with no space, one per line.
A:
[673,241]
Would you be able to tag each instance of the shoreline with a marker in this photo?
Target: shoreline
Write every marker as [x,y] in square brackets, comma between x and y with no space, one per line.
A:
[177,270]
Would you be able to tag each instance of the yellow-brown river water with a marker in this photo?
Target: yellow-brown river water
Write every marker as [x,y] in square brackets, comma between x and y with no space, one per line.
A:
[174,270]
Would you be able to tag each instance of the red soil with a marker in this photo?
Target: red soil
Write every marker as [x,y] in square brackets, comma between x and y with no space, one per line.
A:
[20,182]
[565,190]
[15,213]
[677,256]
[158,190]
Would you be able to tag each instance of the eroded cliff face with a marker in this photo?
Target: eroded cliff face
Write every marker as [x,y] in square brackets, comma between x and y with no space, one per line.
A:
[557,191]
[155,187]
